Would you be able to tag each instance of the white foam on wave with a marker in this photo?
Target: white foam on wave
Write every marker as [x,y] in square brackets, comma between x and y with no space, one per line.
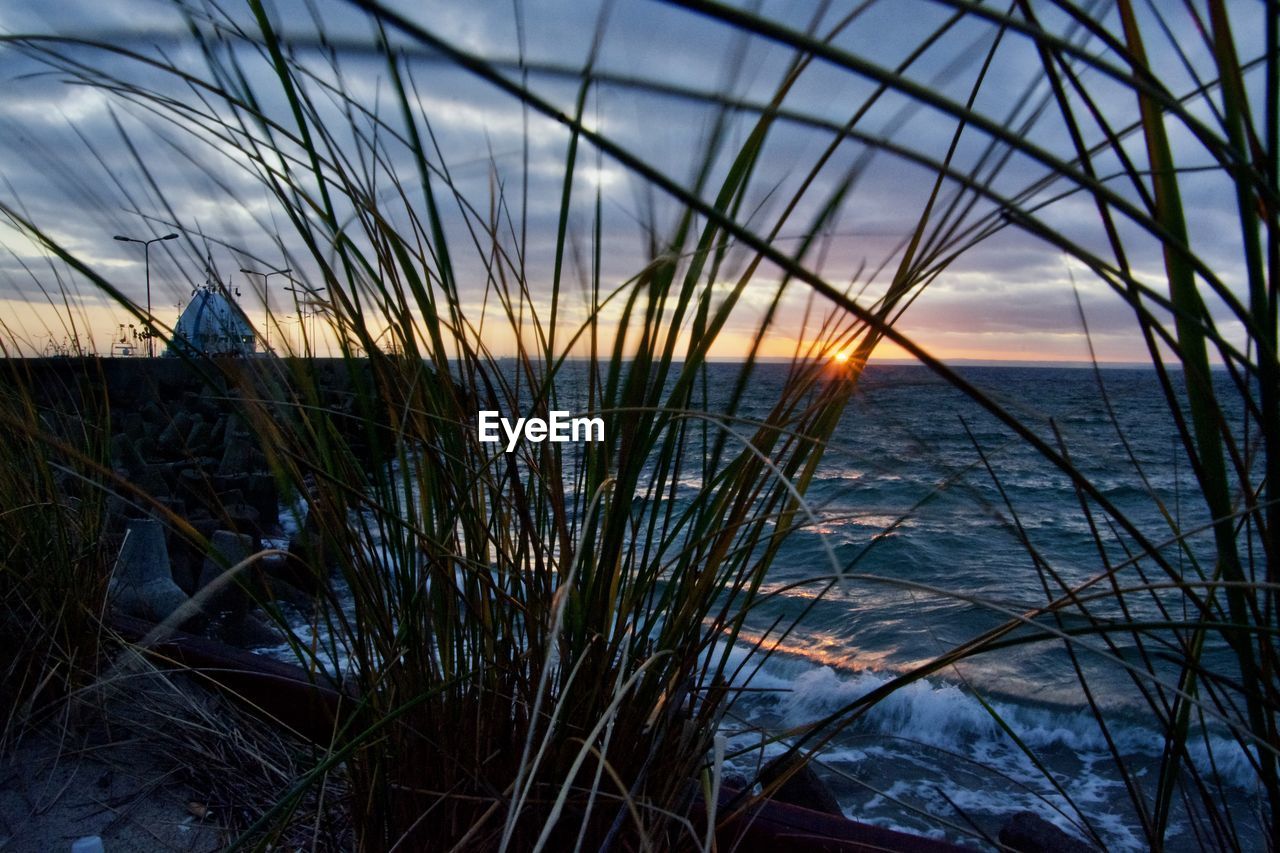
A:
[939,738]
[948,716]
[293,516]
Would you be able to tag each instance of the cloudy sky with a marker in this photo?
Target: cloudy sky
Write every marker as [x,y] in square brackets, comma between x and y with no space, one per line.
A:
[96,143]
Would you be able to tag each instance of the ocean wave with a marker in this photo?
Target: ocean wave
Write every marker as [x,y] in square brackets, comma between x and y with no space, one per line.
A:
[949,716]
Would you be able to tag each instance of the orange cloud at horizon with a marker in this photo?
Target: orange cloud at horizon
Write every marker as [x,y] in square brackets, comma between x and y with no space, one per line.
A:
[36,328]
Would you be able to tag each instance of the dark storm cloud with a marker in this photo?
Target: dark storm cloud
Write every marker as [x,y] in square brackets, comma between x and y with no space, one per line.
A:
[66,164]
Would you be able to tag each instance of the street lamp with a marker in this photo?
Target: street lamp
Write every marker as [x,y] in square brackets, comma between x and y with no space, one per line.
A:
[266,298]
[316,308]
[146,254]
[313,292]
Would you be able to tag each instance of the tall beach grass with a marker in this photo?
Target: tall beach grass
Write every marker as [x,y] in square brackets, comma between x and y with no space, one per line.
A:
[545,643]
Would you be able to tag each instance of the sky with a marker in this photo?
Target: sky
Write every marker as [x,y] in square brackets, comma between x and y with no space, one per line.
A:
[84,163]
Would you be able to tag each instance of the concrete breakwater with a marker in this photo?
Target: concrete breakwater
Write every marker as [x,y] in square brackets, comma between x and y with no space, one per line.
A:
[192,488]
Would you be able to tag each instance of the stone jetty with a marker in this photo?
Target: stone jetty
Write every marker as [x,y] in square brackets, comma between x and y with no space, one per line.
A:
[179,431]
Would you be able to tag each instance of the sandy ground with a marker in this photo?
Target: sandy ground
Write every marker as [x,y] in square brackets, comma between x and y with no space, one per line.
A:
[151,759]
[56,787]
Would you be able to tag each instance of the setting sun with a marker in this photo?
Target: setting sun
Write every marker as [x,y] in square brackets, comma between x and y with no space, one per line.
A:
[571,421]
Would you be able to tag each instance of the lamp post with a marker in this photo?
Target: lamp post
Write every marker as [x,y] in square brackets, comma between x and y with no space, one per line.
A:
[318,307]
[304,290]
[146,255]
[266,299]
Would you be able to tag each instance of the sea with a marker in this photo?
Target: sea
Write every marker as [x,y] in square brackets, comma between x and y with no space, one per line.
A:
[947,524]
[941,524]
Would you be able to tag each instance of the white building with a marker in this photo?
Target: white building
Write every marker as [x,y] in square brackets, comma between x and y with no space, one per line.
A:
[213,324]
